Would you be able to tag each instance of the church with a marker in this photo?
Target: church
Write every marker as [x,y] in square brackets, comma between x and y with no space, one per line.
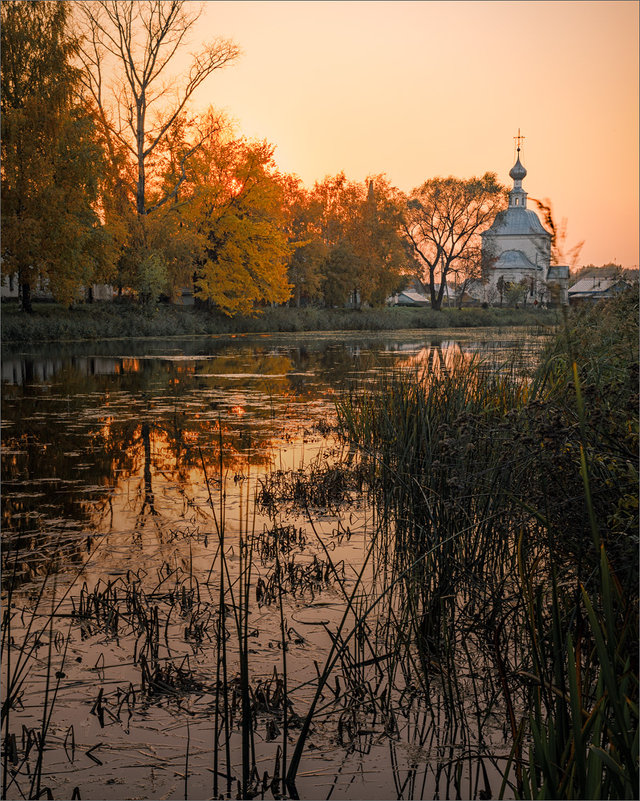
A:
[517,249]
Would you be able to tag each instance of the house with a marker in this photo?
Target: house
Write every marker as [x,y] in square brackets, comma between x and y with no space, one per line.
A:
[415,293]
[410,298]
[593,288]
[9,289]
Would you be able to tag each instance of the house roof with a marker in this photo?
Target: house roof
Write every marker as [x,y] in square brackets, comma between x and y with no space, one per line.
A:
[416,297]
[592,285]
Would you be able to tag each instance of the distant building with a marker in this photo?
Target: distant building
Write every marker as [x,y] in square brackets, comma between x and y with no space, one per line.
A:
[592,289]
[410,298]
[517,248]
[415,293]
[10,289]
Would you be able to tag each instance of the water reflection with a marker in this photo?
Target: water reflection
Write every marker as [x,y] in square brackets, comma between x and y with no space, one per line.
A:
[110,458]
[102,437]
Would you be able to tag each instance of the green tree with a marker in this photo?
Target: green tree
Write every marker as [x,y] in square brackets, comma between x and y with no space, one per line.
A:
[380,243]
[308,250]
[52,160]
[517,292]
[342,269]
[443,220]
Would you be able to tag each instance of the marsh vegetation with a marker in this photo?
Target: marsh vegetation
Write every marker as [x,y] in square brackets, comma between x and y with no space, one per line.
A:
[348,570]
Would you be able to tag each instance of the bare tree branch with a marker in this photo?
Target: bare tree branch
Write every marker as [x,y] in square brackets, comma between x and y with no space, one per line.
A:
[142,38]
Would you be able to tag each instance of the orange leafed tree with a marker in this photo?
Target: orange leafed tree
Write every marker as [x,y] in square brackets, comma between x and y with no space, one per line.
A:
[233,204]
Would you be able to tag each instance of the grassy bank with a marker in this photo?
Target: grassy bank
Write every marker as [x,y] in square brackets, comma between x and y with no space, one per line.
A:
[512,547]
[51,322]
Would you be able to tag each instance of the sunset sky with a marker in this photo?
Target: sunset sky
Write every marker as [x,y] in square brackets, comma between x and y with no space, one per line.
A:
[417,90]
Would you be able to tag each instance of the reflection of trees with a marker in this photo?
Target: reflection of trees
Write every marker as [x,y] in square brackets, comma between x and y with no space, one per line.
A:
[68,445]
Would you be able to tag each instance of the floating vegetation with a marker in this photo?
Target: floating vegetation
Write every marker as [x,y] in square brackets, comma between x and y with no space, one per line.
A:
[324,485]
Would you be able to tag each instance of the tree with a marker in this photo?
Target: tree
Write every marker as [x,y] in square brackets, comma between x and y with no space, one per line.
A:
[468,268]
[52,161]
[516,292]
[143,113]
[444,217]
[379,241]
[237,211]
[309,251]
[360,225]
[335,204]
[142,37]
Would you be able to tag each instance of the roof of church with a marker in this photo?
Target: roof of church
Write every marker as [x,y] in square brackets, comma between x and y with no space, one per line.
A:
[516,220]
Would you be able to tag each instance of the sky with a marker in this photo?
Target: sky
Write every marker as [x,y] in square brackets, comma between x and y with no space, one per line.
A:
[417,90]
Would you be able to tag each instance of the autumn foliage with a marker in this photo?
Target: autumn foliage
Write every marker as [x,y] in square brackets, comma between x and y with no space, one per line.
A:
[108,177]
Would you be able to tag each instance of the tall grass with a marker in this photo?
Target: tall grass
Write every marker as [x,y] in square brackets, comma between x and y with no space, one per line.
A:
[115,320]
[509,508]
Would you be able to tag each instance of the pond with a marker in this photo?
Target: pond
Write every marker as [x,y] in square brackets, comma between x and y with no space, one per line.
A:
[172,590]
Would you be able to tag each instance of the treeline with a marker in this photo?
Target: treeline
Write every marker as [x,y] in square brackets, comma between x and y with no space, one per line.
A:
[108,178]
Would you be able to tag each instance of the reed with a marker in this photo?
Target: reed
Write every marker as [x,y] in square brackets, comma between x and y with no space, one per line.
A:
[486,481]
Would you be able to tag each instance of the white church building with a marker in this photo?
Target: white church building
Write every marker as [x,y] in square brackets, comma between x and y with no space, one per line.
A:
[517,249]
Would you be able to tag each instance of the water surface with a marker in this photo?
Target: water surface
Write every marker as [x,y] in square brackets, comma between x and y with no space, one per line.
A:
[119,461]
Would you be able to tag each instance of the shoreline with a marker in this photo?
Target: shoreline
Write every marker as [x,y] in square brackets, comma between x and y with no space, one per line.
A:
[121,321]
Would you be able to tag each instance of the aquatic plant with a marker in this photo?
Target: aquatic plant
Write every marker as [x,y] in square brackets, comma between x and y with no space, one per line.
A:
[495,481]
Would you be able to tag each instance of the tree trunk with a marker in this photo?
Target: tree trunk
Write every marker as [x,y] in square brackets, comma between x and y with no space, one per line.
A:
[140,207]
[25,297]
[436,299]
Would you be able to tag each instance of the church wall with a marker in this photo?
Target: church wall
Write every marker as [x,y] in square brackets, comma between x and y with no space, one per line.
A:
[535,248]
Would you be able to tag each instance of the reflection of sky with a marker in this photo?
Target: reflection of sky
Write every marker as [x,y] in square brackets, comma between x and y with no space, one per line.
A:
[103,470]
[73,424]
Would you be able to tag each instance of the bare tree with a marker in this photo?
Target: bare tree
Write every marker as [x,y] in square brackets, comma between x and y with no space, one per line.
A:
[443,220]
[127,52]
[467,270]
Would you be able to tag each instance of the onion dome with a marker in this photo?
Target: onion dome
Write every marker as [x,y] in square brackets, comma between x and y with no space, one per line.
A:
[517,172]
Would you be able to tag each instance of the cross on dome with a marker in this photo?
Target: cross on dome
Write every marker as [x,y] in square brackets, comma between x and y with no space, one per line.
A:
[518,172]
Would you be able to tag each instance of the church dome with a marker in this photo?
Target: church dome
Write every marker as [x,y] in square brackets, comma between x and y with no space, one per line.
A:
[517,172]
[516,221]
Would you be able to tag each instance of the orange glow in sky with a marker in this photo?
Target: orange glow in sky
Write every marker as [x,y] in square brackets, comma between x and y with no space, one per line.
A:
[417,90]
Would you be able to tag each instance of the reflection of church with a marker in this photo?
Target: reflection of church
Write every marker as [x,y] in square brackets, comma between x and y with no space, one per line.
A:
[517,249]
